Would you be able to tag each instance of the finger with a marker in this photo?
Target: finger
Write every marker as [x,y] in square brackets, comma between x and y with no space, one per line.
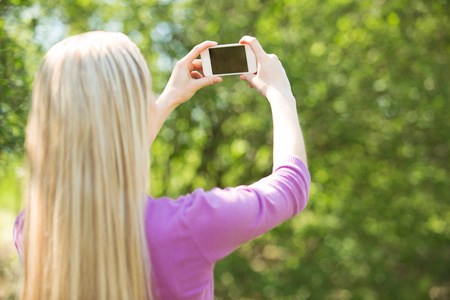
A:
[274,57]
[196,75]
[254,44]
[197,65]
[195,52]
[248,77]
[204,81]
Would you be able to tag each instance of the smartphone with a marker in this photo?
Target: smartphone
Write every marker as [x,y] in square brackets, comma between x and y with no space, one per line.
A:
[229,59]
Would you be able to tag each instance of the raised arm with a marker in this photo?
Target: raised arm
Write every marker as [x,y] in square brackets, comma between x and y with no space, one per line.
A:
[272,83]
[186,79]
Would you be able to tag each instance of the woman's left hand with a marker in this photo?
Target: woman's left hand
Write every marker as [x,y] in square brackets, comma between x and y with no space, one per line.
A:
[187,77]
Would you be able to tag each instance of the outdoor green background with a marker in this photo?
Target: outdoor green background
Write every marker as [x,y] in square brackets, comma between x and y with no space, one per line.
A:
[372,82]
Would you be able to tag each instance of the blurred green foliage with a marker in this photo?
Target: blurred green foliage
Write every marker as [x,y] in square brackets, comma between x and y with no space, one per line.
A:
[14,86]
[372,85]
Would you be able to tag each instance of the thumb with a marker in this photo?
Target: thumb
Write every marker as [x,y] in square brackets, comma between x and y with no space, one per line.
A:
[207,80]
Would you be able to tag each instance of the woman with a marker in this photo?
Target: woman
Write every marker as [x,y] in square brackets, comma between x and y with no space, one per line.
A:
[89,231]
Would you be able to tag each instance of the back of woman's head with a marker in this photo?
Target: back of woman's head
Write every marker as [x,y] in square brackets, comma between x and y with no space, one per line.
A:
[87,146]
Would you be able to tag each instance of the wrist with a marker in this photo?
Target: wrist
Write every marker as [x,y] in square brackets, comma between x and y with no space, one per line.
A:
[277,98]
[166,104]
[168,100]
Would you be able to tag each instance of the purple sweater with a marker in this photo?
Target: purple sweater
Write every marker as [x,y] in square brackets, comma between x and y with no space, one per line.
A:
[188,236]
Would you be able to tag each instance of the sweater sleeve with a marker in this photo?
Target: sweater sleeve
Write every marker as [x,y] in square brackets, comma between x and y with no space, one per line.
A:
[18,234]
[221,220]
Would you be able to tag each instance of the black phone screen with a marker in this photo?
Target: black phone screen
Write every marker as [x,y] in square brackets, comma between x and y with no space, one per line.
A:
[228,60]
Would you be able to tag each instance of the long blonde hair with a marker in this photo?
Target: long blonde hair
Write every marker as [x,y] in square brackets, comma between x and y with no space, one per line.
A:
[87,146]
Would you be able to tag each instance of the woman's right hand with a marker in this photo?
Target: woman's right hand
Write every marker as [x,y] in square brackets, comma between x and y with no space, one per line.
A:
[271,82]
[271,77]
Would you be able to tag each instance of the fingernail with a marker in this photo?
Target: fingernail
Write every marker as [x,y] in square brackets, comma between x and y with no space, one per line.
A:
[217,79]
